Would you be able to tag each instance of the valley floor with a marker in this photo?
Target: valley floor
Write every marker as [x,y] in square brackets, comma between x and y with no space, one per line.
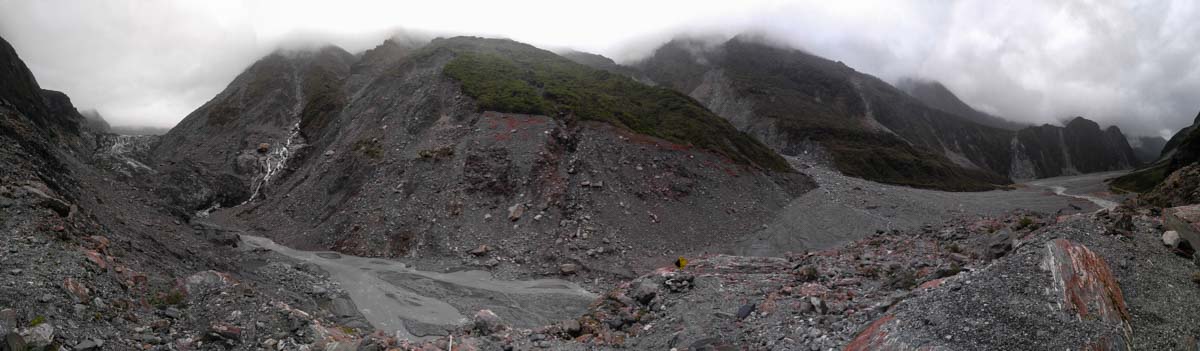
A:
[843,209]
[406,302]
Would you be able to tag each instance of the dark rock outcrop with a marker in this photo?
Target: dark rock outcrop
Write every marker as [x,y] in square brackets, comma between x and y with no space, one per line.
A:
[793,101]
[1168,181]
[1076,148]
[918,135]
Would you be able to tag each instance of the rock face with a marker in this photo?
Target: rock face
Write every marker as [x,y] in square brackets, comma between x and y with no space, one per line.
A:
[1079,147]
[918,135]
[393,155]
[794,101]
[284,100]
[1159,182]
[1083,292]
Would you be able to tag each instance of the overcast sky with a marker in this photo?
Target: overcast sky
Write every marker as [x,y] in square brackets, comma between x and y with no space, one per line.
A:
[1131,63]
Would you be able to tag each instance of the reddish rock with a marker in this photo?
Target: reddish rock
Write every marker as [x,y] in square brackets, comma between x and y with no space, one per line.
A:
[96,258]
[1088,288]
[100,242]
[76,289]
[875,337]
[931,284]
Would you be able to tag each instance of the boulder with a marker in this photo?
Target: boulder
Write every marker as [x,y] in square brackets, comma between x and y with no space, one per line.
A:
[223,332]
[568,268]
[207,281]
[1171,239]
[1186,221]
[1088,287]
[77,290]
[515,212]
[92,344]
[996,245]
[45,200]
[39,336]
[487,322]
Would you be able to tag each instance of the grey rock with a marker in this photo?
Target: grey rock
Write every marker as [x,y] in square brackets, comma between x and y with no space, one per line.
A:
[172,312]
[568,268]
[487,322]
[93,344]
[645,291]
[818,305]
[515,212]
[1171,239]
[571,327]
[39,336]
[745,311]
[997,244]
[8,321]
[14,341]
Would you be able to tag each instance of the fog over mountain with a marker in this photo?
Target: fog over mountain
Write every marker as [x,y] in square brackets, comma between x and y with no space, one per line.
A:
[1129,63]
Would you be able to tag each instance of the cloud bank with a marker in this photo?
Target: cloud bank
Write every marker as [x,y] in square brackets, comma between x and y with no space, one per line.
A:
[1135,64]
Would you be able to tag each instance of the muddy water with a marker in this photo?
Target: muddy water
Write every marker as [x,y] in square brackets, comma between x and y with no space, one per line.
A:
[411,303]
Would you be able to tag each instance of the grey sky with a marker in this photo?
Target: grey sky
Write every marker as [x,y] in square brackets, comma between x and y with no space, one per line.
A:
[1131,63]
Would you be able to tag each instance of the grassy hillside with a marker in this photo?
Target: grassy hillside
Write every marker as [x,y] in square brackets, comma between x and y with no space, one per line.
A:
[507,76]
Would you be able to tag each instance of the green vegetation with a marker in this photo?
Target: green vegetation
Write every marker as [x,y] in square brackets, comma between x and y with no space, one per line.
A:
[1142,180]
[369,148]
[37,321]
[437,154]
[1024,222]
[507,76]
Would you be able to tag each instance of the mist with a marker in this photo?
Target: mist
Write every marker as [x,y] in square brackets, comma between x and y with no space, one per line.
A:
[1133,64]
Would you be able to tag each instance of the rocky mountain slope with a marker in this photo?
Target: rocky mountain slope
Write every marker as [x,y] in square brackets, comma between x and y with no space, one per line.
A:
[936,95]
[920,135]
[463,142]
[794,101]
[1171,180]
[92,262]
[1078,147]
[423,153]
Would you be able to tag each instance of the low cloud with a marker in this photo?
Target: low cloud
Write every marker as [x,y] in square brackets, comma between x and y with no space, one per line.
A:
[1133,63]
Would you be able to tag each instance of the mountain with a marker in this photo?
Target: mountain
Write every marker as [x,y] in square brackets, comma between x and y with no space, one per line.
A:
[919,135]
[791,100]
[936,95]
[1172,179]
[465,142]
[95,122]
[1147,149]
[1078,147]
